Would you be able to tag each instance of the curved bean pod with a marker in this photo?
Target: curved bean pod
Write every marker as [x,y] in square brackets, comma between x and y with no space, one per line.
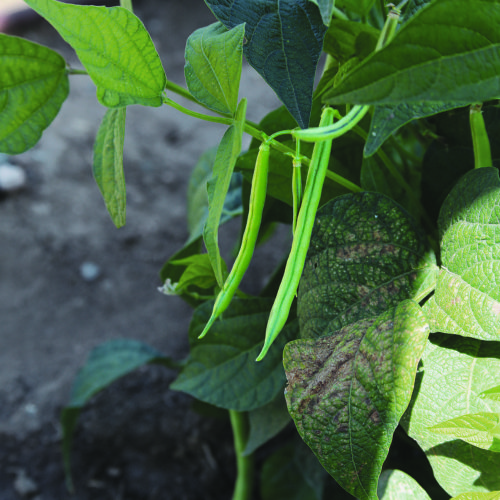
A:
[302,236]
[256,206]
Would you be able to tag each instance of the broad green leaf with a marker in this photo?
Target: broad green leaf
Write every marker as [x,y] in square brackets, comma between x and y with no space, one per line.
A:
[292,473]
[266,422]
[493,393]
[326,8]
[284,43]
[412,7]
[225,159]
[388,119]
[108,163]
[494,495]
[115,48]
[221,369]
[455,370]
[198,272]
[105,364]
[213,66]
[359,7]
[366,256]
[33,86]
[396,485]
[479,429]
[447,52]
[347,39]
[347,391]
[467,298]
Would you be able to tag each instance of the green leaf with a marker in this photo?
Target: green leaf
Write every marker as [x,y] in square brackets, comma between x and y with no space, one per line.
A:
[479,429]
[493,393]
[108,163]
[33,86]
[448,52]
[292,473]
[266,422]
[284,43]
[213,66]
[455,370]
[198,273]
[347,391]
[347,39]
[115,48]
[225,159]
[494,495]
[413,6]
[467,298]
[388,119]
[366,256]
[106,363]
[221,369]
[359,7]
[326,9]
[396,485]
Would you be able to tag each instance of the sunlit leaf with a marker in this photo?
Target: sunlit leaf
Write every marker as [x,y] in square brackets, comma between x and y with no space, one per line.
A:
[396,485]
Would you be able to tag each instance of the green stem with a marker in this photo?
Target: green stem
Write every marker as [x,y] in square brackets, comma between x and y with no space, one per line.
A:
[73,71]
[389,28]
[244,464]
[127,4]
[480,141]
[195,114]
[339,14]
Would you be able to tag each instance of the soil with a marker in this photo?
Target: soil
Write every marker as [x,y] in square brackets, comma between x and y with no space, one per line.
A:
[137,439]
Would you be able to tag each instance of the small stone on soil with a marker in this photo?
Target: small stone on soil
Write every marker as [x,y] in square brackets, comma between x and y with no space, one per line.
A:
[24,485]
[12,178]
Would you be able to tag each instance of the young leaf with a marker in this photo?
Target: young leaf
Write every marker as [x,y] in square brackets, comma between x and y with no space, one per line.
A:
[479,429]
[467,298]
[447,52]
[387,119]
[266,422]
[494,495]
[292,473]
[213,66]
[221,369]
[33,86]
[115,48]
[396,485]
[284,43]
[455,372]
[366,256]
[198,273]
[105,364]
[347,391]
[493,393]
[225,159]
[326,8]
[108,163]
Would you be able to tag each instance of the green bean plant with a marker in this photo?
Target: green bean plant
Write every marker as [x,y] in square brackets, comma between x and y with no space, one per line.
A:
[379,334]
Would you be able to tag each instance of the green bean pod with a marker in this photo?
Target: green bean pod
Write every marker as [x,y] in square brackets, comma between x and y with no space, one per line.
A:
[249,240]
[302,236]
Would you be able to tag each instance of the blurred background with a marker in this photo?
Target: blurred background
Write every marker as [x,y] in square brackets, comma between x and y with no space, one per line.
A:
[69,280]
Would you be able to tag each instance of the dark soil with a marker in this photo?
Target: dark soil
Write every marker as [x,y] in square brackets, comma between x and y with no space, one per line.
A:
[137,439]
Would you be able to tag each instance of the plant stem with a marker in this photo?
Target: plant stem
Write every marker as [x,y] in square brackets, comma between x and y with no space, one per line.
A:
[339,14]
[480,141]
[73,71]
[195,114]
[244,464]
[127,4]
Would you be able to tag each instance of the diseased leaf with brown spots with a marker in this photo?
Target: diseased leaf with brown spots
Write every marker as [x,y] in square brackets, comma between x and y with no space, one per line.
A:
[467,298]
[367,254]
[348,391]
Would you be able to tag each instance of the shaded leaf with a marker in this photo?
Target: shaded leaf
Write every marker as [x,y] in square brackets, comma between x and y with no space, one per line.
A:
[108,164]
[221,369]
[389,118]
[396,485]
[467,298]
[366,255]
[447,52]
[115,48]
[276,33]
[105,364]
[266,422]
[455,370]
[412,7]
[479,429]
[292,473]
[326,8]
[213,66]
[33,86]
[225,159]
[347,391]
[359,7]
[493,393]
